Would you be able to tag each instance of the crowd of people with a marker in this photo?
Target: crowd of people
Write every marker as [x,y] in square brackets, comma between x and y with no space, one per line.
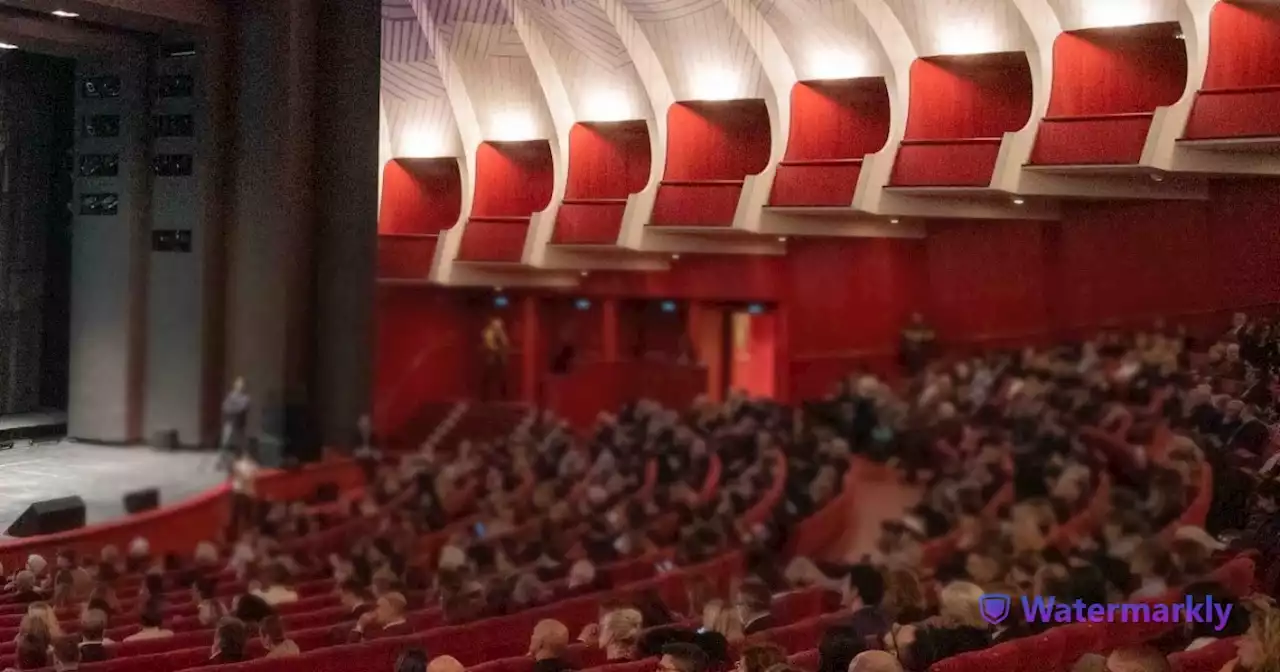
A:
[999,444]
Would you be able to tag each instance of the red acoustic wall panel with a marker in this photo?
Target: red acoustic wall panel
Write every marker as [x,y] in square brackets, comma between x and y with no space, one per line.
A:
[1244,241]
[1107,84]
[650,333]
[1241,87]
[607,163]
[833,126]
[960,108]
[975,287]
[697,277]
[1244,46]
[711,148]
[565,321]
[513,181]
[406,256]
[420,195]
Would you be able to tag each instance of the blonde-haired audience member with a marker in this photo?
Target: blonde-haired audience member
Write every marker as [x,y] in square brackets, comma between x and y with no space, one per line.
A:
[619,633]
[1259,649]
[719,617]
[960,603]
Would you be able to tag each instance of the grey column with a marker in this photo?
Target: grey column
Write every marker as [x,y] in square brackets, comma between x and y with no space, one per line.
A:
[269,247]
[347,88]
[109,263]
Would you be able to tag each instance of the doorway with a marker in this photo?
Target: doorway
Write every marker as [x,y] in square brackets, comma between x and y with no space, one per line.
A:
[751,350]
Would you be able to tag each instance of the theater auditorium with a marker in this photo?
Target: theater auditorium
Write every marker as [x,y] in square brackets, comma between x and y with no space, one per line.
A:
[640,335]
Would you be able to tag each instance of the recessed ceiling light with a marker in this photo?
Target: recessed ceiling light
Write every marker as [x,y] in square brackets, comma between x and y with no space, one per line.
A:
[63,14]
[1178,35]
[675,256]
[1018,201]
[6,45]
[894,220]
[782,239]
[585,273]
[497,289]
[1157,177]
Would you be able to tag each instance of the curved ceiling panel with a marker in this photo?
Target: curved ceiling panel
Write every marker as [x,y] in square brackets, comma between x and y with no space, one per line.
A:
[491,60]
[417,113]
[950,27]
[705,54]
[1082,14]
[592,61]
[826,39]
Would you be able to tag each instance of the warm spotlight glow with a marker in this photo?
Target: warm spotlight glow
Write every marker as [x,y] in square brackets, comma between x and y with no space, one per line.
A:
[714,83]
[967,37]
[607,105]
[893,221]
[837,64]
[1113,13]
[675,257]
[6,45]
[512,125]
[63,14]
[422,143]
[1019,201]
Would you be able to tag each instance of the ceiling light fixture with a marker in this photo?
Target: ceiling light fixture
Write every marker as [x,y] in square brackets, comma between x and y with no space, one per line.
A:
[675,257]
[1179,35]
[63,14]
[1018,201]
[782,239]
[1157,177]
[585,273]
[894,220]
[6,45]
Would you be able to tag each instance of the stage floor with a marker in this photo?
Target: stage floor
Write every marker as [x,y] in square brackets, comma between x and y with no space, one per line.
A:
[99,474]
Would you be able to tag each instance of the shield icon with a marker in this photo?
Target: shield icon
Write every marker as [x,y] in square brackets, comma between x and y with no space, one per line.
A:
[995,607]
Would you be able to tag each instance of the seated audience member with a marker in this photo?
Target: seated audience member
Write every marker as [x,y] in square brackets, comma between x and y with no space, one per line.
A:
[682,657]
[760,657]
[66,654]
[717,617]
[1259,649]
[229,641]
[754,601]
[548,645]
[838,647]
[1150,564]
[277,590]
[152,586]
[1090,662]
[355,597]
[1137,659]
[24,588]
[206,556]
[715,646]
[32,653]
[278,644]
[93,641]
[40,620]
[387,619]
[209,609]
[875,661]
[864,591]
[64,590]
[960,605]
[152,620]
[412,660]
[445,664]
[904,600]
[932,644]
[250,609]
[619,633]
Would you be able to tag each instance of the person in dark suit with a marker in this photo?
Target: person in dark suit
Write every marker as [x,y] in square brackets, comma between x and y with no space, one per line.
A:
[754,603]
[386,619]
[548,646]
[864,590]
[355,597]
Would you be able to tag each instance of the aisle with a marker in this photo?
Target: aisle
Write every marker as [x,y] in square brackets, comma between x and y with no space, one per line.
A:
[881,495]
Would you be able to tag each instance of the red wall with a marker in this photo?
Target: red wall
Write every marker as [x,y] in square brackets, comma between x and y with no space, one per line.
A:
[1244,46]
[420,196]
[607,160]
[841,301]
[513,179]
[838,120]
[968,97]
[1117,70]
[721,140]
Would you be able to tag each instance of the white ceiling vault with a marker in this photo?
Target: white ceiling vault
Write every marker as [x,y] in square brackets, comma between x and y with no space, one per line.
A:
[458,72]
